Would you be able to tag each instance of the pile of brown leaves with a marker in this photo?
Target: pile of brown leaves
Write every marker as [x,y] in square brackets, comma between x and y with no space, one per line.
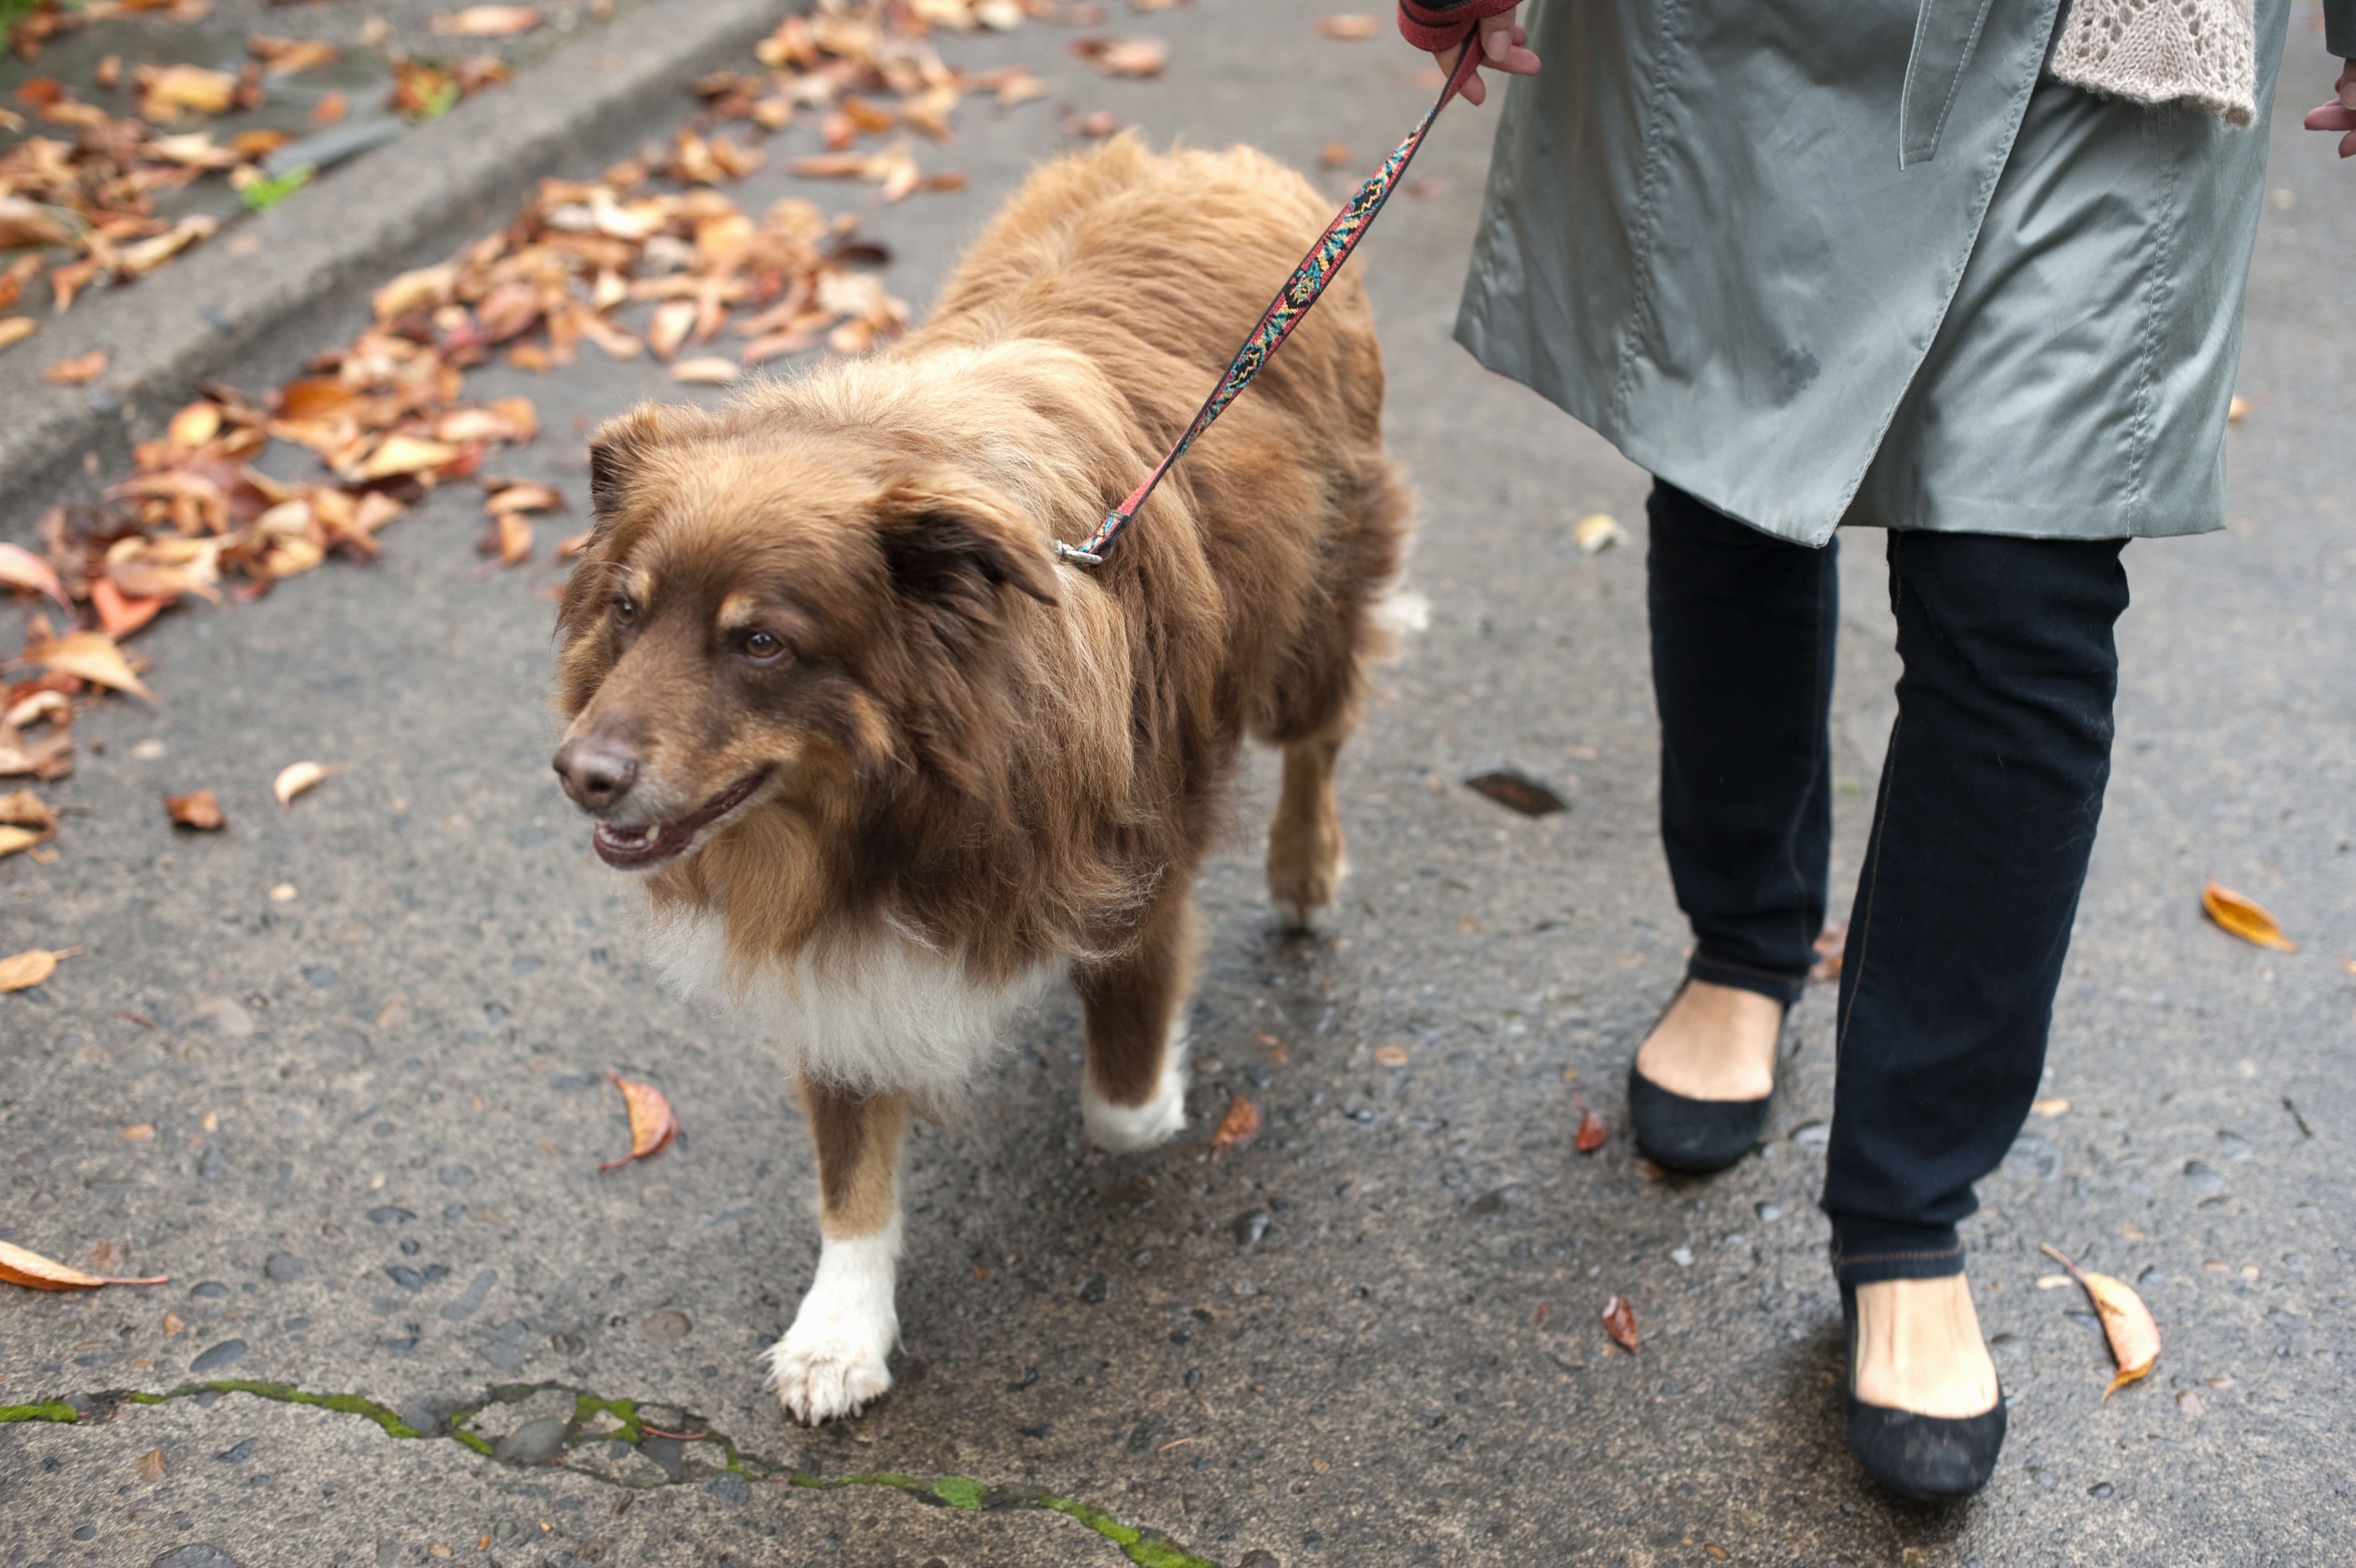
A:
[82,202]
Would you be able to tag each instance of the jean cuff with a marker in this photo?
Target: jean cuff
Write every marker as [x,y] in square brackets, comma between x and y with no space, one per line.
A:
[1784,988]
[1867,1251]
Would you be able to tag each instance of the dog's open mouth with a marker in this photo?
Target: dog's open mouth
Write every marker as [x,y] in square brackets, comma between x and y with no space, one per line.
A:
[646,843]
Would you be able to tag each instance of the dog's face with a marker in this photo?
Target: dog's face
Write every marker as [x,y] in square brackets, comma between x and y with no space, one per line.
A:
[767,613]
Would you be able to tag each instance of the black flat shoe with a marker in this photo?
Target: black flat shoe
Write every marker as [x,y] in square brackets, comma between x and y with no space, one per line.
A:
[1692,1135]
[1927,1457]
[1697,1137]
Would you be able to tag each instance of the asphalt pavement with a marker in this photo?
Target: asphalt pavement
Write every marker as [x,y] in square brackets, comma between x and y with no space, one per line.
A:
[370,1033]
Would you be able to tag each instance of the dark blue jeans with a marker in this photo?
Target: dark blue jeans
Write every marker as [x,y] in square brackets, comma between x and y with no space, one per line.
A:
[1982,827]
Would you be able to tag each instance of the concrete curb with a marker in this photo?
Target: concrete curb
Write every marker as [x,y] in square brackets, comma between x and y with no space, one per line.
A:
[254,318]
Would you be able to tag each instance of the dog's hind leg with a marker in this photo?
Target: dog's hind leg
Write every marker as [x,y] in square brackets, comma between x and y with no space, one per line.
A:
[831,1361]
[1133,1095]
[1304,842]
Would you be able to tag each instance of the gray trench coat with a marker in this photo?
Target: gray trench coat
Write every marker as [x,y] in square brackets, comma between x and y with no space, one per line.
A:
[1828,260]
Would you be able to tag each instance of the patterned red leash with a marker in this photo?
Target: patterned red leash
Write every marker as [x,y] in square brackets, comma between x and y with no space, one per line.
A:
[1301,291]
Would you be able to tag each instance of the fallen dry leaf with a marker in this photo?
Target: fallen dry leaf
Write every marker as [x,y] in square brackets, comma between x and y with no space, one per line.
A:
[1516,790]
[27,969]
[297,777]
[80,371]
[1239,1126]
[14,839]
[1391,1055]
[1596,532]
[195,424]
[88,655]
[168,91]
[20,568]
[1350,24]
[2049,1107]
[488,22]
[1831,943]
[1334,156]
[22,808]
[2237,409]
[1592,1132]
[1620,1322]
[2126,1322]
[198,810]
[1124,57]
[652,1123]
[2244,917]
[19,1267]
[152,1466]
[708,370]
[407,455]
[17,328]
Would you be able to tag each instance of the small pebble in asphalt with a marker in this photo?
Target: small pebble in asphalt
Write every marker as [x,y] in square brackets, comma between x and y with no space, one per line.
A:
[533,1442]
[1095,1289]
[240,1454]
[388,1215]
[196,1554]
[283,1268]
[211,1290]
[668,1324]
[1771,1212]
[221,1355]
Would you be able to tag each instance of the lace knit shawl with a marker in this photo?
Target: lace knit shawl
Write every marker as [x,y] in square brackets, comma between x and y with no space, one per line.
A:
[2155,52]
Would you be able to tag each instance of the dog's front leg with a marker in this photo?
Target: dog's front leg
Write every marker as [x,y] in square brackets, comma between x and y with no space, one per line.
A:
[831,1361]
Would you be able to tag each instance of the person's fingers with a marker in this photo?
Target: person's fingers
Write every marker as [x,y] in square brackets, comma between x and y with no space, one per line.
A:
[1473,93]
[2331,116]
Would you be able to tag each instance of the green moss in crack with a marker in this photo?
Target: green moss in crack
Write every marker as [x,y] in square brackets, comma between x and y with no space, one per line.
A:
[53,1410]
[1147,1549]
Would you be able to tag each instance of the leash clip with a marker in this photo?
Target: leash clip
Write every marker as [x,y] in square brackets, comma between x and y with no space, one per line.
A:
[1078,557]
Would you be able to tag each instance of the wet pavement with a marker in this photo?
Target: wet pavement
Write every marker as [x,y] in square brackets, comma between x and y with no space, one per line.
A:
[376,1102]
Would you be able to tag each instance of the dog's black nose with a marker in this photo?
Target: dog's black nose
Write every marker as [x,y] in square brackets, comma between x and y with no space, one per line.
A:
[596,773]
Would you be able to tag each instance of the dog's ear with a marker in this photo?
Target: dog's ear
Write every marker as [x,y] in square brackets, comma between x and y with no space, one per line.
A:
[616,450]
[945,544]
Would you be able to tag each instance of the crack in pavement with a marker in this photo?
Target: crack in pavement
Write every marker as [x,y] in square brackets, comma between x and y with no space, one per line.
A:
[555,1443]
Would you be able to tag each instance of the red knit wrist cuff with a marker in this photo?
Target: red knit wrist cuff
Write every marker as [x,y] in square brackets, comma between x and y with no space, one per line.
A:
[1431,28]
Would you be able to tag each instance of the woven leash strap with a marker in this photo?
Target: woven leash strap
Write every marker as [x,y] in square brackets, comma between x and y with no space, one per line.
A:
[1301,291]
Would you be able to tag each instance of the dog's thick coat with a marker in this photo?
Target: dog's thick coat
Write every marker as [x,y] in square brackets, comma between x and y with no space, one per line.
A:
[892,766]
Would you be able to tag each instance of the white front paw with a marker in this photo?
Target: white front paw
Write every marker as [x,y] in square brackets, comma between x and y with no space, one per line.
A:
[831,1361]
[1127,1129]
[823,1374]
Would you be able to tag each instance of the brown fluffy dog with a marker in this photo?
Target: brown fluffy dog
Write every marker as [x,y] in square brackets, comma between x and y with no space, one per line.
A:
[891,766]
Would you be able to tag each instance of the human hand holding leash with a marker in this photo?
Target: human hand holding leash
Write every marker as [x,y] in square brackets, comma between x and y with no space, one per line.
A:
[1441,27]
[2337,114]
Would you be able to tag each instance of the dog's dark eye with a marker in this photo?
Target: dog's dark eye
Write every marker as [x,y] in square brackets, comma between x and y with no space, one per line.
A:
[760,648]
[626,609]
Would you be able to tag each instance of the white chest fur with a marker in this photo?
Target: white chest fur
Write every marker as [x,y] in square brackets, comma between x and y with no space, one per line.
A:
[883,1012]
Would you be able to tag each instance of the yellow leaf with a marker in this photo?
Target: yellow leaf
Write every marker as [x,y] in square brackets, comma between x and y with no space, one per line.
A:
[91,655]
[14,328]
[20,568]
[709,369]
[2126,1322]
[2244,917]
[1596,531]
[13,839]
[1350,24]
[27,969]
[407,455]
[488,22]
[19,1267]
[652,1123]
[195,424]
[297,777]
